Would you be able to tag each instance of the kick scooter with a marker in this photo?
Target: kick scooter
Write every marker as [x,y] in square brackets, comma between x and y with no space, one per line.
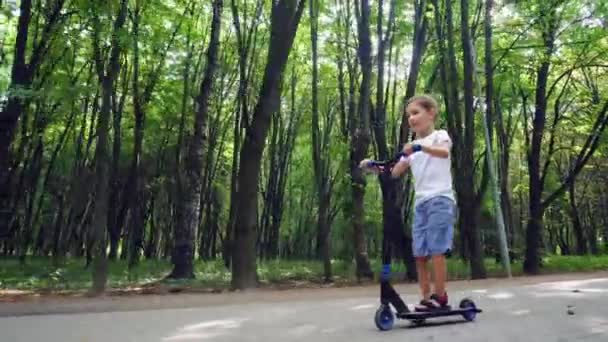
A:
[389,298]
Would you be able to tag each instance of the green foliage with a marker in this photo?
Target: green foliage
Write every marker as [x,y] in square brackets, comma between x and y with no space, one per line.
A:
[40,275]
[65,96]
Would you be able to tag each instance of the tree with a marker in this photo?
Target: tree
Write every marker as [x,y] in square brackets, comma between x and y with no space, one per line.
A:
[285,18]
[395,241]
[183,250]
[282,142]
[107,72]
[360,137]
[23,74]
[549,25]
[462,133]
[469,201]
[246,37]
[321,133]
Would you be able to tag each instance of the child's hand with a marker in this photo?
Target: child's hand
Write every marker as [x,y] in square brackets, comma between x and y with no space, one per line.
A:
[408,149]
[364,164]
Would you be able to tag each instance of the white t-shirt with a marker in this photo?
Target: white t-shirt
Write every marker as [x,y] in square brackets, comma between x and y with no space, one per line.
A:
[432,175]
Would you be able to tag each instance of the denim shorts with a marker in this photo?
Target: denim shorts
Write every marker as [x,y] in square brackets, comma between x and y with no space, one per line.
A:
[433,228]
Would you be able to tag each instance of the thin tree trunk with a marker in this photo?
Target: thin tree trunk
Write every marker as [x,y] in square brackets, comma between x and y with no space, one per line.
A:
[135,199]
[185,231]
[504,151]
[449,77]
[321,167]
[579,234]
[177,199]
[33,174]
[285,19]
[593,233]
[360,140]
[241,121]
[533,232]
[396,218]
[23,74]
[115,185]
[107,77]
[469,200]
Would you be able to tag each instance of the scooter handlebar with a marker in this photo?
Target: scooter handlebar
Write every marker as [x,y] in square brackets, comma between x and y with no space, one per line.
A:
[390,162]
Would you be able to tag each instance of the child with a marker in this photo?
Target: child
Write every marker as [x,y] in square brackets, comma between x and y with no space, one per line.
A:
[429,159]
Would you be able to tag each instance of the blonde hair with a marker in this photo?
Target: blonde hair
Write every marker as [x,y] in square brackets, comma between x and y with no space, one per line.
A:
[426,101]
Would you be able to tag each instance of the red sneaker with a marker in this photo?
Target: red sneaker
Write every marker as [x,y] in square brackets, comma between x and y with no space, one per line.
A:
[442,300]
[434,303]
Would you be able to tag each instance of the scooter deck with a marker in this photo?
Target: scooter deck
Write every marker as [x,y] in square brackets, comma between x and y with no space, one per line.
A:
[419,315]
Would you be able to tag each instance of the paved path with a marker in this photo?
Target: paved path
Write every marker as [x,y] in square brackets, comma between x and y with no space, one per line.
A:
[526,309]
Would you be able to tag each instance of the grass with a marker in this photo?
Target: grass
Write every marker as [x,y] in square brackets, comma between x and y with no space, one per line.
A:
[40,275]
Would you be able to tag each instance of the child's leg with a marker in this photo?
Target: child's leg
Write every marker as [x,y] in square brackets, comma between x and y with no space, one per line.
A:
[440,274]
[441,231]
[420,252]
[424,277]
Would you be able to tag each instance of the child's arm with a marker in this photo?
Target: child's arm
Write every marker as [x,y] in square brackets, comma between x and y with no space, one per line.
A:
[439,151]
[400,168]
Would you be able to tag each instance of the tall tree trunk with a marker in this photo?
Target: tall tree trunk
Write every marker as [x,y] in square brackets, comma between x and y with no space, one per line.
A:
[396,218]
[23,73]
[592,236]
[185,231]
[489,68]
[107,77]
[286,15]
[245,38]
[420,38]
[20,78]
[534,228]
[280,150]
[178,201]
[469,200]
[115,228]
[54,156]
[320,162]
[504,151]
[135,200]
[33,173]
[360,139]
[449,76]
[57,226]
[151,249]
[227,247]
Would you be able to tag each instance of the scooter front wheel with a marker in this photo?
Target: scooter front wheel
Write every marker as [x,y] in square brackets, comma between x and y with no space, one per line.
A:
[384,318]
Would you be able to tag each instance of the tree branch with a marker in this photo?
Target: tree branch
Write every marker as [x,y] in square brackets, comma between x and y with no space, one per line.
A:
[584,155]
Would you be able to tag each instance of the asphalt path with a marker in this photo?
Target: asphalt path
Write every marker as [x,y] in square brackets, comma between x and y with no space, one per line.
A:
[555,308]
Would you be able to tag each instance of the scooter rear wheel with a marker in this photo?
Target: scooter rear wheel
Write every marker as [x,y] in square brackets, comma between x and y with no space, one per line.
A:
[470,314]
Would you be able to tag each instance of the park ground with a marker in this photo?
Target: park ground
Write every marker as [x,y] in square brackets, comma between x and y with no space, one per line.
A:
[557,307]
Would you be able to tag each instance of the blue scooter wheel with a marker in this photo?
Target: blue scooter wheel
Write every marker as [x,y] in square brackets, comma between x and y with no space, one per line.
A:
[384,318]
[468,305]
